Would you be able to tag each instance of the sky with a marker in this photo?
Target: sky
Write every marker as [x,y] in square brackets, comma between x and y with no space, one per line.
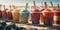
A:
[23,2]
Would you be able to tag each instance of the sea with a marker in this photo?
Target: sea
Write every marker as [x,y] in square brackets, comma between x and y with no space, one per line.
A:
[29,7]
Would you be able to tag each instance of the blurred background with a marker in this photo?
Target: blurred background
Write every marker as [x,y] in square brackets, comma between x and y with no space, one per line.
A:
[21,3]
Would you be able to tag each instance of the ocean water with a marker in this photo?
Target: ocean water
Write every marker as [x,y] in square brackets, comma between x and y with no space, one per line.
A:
[38,7]
[30,7]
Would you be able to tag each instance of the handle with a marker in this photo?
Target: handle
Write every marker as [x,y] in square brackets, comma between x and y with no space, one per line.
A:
[10,6]
[45,5]
[58,5]
[4,6]
[26,5]
[13,6]
[34,5]
[0,6]
[52,4]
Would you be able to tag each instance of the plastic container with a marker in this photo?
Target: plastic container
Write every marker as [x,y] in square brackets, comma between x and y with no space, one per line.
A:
[0,12]
[24,15]
[35,16]
[15,15]
[4,13]
[9,13]
[48,16]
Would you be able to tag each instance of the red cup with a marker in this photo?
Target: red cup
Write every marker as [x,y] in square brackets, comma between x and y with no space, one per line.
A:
[4,14]
[48,17]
